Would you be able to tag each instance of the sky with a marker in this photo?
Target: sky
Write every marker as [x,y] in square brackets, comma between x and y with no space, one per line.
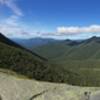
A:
[61,19]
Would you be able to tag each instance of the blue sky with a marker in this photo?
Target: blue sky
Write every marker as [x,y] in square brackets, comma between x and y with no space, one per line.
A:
[50,18]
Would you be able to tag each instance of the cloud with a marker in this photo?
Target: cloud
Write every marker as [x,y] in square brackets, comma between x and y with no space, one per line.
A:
[13,28]
[71,31]
[76,29]
[12,5]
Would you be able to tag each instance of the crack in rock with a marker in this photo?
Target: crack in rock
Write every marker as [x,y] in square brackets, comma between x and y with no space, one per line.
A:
[37,95]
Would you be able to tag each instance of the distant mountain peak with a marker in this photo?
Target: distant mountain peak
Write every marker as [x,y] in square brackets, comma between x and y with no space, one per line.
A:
[94,38]
[67,40]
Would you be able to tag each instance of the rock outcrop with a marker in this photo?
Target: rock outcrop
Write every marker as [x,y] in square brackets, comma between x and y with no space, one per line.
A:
[18,88]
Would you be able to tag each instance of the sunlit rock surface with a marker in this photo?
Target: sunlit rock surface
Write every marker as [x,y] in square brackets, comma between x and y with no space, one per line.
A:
[15,88]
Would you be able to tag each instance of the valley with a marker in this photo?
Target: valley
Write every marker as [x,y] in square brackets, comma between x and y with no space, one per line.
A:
[66,76]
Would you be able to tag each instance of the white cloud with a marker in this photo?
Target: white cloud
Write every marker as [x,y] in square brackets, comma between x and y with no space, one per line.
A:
[76,29]
[13,28]
[71,31]
[12,5]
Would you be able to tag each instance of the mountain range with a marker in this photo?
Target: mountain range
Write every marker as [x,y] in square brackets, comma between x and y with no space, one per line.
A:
[79,56]
[16,58]
[67,61]
[33,42]
[70,49]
